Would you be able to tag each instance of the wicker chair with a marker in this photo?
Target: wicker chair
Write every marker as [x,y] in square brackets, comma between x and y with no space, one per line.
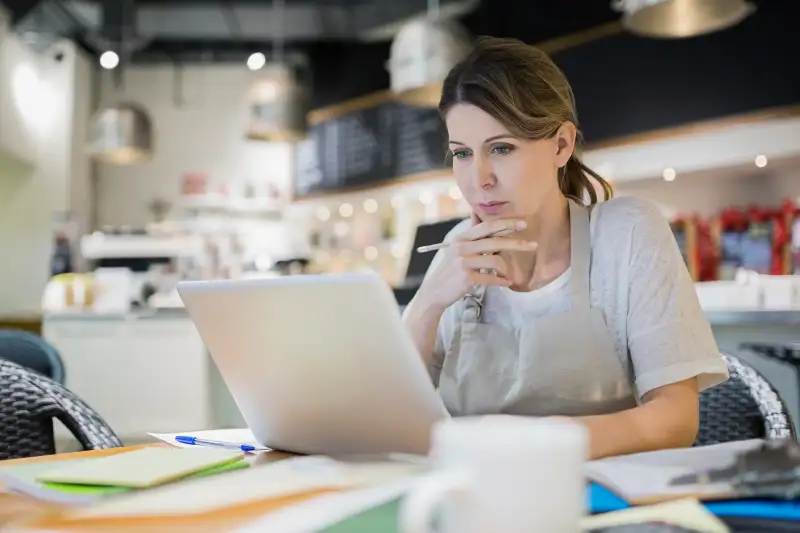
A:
[744,407]
[28,404]
[33,352]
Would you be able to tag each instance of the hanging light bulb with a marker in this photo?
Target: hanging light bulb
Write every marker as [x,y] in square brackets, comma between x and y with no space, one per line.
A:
[421,55]
[121,134]
[674,19]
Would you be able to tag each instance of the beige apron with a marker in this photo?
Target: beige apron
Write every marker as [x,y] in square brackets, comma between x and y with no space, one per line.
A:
[554,365]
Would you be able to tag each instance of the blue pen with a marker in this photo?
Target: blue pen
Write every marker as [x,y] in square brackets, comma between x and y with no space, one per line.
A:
[183,439]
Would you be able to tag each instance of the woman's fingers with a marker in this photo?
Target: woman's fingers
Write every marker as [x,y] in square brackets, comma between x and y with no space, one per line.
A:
[486,262]
[492,227]
[493,245]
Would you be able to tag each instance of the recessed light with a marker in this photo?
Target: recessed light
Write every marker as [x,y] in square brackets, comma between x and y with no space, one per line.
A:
[761,161]
[669,174]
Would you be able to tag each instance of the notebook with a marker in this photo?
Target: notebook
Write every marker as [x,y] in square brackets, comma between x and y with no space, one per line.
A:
[22,478]
[142,468]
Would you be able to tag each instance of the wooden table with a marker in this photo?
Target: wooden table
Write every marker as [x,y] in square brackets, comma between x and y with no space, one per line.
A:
[20,513]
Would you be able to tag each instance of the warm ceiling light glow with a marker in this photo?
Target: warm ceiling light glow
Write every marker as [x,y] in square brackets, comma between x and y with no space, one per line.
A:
[761,161]
[109,60]
[669,174]
[370,253]
[370,205]
[323,213]
[256,61]
[346,210]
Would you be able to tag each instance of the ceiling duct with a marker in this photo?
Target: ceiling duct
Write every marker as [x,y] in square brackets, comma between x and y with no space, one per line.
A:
[422,54]
[676,19]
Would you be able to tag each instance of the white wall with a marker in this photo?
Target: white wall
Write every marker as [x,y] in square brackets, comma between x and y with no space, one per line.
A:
[44,94]
[206,134]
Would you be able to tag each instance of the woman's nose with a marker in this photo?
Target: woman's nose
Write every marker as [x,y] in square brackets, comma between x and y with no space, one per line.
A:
[484,177]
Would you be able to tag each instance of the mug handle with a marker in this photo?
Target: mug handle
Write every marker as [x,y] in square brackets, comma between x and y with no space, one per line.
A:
[416,513]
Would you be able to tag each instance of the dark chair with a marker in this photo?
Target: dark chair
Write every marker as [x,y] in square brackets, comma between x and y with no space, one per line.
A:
[28,404]
[33,352]
[787,353]
[744,407]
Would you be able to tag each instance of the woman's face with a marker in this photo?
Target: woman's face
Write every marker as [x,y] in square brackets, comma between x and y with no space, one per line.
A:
[502,176]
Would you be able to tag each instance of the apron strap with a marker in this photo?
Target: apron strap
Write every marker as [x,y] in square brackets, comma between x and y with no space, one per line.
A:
[580,256]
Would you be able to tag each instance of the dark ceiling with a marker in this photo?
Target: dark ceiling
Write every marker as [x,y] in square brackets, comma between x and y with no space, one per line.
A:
[229,30]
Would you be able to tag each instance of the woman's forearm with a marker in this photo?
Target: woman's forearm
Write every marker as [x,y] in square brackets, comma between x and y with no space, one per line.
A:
[422,321]
[668,419]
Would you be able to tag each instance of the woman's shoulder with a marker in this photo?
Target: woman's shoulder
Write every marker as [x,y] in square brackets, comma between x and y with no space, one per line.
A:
[626,215]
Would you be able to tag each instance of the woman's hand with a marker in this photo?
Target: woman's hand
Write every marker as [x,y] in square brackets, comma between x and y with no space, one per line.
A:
[471,260]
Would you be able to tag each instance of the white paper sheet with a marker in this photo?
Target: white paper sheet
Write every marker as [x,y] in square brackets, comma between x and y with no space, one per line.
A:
[230,436]
[648,475]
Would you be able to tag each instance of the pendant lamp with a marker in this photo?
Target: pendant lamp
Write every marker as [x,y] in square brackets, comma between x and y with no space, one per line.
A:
[121,134]
[278,106]
[421,55]
[675,19]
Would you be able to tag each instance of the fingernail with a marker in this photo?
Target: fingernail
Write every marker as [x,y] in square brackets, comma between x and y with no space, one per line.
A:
[521,224]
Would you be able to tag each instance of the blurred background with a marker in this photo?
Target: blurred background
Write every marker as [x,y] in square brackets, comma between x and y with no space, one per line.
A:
[146,142]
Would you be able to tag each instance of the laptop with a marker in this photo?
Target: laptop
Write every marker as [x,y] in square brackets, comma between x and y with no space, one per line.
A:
[318,364]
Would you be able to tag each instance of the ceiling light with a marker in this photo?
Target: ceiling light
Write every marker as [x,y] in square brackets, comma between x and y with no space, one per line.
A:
[370,253]
[256,61]
[323,213]
[761,161]
[669,174]
[109,60]
[675,19]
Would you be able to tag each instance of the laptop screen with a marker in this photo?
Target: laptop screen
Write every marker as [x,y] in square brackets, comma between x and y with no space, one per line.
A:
[427,234]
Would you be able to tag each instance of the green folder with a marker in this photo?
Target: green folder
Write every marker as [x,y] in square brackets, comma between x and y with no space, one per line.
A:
[22,478]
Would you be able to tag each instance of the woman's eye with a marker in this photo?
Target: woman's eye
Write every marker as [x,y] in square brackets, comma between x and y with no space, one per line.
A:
[461,154]
[501,150]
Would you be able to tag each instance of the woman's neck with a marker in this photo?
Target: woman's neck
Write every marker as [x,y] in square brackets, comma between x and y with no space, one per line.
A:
[550,228]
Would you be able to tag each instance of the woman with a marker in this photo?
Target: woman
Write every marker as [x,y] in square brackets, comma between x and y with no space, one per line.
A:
[584,311]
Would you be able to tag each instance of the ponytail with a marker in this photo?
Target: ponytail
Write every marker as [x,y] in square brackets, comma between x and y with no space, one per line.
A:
[575,181]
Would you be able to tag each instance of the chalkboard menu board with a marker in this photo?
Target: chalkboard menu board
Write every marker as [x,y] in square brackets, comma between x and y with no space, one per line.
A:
[368,147]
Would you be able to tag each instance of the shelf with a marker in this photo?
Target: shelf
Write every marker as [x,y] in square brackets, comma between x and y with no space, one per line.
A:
[211,202]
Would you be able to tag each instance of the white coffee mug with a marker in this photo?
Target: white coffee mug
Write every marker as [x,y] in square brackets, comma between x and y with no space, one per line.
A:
[502,473]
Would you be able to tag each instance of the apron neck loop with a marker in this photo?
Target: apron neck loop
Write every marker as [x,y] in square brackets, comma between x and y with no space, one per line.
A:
[580,252]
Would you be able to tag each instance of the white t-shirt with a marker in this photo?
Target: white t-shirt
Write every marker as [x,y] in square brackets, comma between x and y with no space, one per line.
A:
[639,280]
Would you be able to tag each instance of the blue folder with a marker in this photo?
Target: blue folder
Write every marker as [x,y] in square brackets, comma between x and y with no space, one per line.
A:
[602,500]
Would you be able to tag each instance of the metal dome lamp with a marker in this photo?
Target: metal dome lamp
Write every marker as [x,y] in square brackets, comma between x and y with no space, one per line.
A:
[677,19]
[278,102]
[421,55]
[121,134]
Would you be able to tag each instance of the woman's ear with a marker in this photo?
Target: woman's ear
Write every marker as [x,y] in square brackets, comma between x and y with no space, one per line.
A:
[565,143]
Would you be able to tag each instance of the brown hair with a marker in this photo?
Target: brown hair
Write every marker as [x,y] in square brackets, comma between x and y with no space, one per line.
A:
[521,87]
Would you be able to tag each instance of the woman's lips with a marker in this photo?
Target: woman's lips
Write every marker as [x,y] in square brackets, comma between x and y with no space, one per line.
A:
[492,208]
